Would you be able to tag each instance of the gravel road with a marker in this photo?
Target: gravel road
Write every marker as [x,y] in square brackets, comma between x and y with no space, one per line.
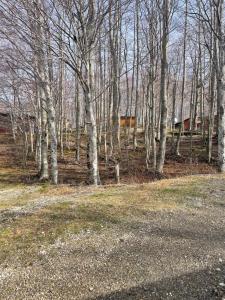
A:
[165,255]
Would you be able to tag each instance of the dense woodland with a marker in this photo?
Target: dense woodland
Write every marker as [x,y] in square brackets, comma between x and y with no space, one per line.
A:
[71,68]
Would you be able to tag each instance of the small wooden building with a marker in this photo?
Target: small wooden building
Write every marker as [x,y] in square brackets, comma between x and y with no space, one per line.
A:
[127,121]
[186,123]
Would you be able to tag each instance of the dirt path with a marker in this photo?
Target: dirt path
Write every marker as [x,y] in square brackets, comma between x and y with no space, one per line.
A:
[166,253]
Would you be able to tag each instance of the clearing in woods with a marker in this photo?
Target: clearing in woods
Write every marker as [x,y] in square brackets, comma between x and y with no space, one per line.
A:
[160,240]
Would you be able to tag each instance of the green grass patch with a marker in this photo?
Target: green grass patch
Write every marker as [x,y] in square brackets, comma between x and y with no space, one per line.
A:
[24,236]
[135,200]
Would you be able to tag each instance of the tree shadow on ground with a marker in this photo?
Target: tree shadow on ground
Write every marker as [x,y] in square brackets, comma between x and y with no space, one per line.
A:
[201,285]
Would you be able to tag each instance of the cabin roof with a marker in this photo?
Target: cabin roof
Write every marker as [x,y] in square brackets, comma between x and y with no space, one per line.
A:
[125,117]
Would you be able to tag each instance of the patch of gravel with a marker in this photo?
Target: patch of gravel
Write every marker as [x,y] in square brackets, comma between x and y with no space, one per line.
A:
[37,203]
[165,255]
[31,207]
[5,273]
[196,202]
[15,192]
[176,255]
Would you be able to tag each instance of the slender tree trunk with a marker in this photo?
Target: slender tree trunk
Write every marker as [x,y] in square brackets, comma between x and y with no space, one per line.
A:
[44,136]
[177,150]
[137,74]
[53,136]
[114,51]
[45,76]
[78,111]
[163,88]
[212,93]
[92,140]
[221,88]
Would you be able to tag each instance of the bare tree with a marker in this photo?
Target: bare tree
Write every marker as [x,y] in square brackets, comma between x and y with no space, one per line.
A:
[163,93]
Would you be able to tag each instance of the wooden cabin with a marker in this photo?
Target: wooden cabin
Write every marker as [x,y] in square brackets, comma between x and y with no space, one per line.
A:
[186,123]
[126,121]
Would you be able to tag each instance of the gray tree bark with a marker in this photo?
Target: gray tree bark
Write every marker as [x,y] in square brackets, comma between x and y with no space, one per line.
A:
[163,86]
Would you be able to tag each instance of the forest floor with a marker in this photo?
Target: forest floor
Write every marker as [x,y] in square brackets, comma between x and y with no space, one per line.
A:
[158,240]
[132,165]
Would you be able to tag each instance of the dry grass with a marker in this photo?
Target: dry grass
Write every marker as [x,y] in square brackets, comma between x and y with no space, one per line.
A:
[164,194]
[22,238]
[51,190]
